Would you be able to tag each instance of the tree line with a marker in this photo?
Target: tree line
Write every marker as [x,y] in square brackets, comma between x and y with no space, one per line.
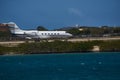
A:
[95,31]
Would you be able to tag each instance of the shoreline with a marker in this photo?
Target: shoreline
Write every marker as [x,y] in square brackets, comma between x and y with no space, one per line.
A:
[49,53]
[59,46]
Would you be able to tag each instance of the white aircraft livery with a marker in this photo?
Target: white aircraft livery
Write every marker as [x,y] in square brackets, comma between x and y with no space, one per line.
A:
[33,34]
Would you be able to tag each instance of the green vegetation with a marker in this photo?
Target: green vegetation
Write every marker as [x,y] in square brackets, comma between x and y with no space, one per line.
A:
[7,50]
[110,45]
[5,34]
[61,47]
[42,28]
[74,31]
[103,31]
[56,46]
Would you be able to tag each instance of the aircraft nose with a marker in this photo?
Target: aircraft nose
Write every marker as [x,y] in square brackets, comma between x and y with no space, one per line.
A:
[70,35]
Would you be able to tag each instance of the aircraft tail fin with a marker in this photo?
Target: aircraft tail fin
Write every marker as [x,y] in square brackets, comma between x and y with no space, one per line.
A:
[13,27]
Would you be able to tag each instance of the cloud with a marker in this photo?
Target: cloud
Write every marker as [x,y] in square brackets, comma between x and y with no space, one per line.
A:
[75,11]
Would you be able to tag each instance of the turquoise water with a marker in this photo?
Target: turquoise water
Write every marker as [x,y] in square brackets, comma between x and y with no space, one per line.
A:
[85,66]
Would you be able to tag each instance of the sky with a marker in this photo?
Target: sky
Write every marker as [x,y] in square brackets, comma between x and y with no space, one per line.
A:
[54,14]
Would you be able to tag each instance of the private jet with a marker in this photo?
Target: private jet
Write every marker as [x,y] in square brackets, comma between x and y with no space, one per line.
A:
[35,34]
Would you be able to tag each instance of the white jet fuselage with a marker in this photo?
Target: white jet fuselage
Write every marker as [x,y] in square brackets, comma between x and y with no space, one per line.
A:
[31,34]
[42,34]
